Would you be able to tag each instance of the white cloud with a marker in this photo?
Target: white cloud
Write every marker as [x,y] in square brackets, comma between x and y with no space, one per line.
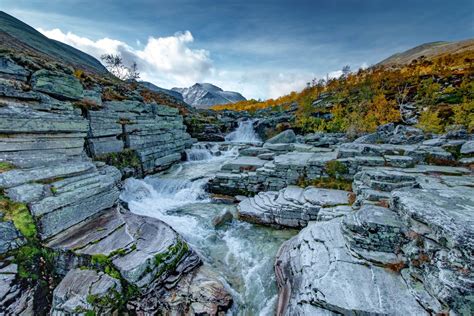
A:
[171,62]
[165,61]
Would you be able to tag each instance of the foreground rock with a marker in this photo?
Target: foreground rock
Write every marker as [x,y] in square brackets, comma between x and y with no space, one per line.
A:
[414,258]
[317,275]
[293,206]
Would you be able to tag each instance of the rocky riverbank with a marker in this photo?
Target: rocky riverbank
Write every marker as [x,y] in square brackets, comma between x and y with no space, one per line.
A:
[397,240]
[68,245]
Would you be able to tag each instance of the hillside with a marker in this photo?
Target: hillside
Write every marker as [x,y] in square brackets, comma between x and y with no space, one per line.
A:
[434,91]
[16,34]
[428,50]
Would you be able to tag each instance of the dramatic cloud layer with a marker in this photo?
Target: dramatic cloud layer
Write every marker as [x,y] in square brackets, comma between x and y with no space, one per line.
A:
[165,61]
[170,62]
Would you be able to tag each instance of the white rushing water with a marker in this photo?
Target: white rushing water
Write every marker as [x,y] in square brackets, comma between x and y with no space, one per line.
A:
[244,133]
[241,253]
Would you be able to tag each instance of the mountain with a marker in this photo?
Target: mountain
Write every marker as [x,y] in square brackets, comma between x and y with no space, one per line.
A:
[429,50]
[155,88]
[22,37]
[204,95]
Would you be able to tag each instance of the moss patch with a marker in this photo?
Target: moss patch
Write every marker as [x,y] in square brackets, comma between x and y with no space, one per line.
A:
[121,160]
[6,166]
[327,183]
[19,214]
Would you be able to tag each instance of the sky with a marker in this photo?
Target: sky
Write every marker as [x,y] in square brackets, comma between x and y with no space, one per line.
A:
[261,48]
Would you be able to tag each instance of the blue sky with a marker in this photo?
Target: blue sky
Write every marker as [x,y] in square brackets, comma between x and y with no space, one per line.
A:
[261,48]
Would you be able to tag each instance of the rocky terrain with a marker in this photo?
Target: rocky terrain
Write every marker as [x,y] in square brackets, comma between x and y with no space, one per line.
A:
[68,246]
[397,240]
[205,95]
[385,219]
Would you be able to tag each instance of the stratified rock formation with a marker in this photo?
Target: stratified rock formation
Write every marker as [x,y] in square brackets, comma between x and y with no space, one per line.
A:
[67,138]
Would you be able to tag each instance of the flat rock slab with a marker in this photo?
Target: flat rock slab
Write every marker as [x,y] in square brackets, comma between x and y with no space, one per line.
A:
[326,197]
[81,290]
[141,248]
[315,271]
[244,163]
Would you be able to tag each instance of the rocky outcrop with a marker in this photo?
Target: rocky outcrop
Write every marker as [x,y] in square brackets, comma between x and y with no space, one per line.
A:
[84,291]
[59,206]
[292,206]
[413,258]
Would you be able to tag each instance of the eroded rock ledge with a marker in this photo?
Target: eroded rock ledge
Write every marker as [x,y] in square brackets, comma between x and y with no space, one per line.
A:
[61,224]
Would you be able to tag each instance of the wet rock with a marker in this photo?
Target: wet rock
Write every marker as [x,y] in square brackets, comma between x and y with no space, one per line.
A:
[59,85]
[221,219]
[285,137]
[84,291]
[315,271]
[198,293]
[144,250]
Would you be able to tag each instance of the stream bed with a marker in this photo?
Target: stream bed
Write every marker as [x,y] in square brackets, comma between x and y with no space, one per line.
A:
[242,254]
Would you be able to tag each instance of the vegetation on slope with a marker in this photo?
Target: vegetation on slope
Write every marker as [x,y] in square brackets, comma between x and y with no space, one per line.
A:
[441,89]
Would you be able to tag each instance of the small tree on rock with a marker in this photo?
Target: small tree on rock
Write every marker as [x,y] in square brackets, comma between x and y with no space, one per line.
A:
[114,64]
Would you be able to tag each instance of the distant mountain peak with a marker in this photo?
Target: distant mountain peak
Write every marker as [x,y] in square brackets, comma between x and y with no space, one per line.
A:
[204,95]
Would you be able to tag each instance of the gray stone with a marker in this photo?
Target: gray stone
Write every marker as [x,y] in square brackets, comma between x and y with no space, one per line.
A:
[285,137]
[26,193]
[468,148]
[315,268]
[58,85]
[221,219]
[84,291]
[10,237]
[10,70]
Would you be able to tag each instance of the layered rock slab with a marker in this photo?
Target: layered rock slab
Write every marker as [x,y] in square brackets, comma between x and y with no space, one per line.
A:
[315,271]
[291,207]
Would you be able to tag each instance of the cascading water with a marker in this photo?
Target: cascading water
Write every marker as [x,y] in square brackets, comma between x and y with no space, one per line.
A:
[244,133]
[241,253]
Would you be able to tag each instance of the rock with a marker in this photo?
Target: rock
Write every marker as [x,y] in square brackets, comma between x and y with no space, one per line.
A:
[393,134]
[58,85]
[221,219]
[316,273]
[84,291]
[198,293]
[10,70]
[374,229]
[144,250]
[285,137]
[441,225]
[291,207]
[10,237]
[467,148]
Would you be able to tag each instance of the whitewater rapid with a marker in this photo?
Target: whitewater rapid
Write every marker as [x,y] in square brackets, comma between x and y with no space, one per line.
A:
[241,253]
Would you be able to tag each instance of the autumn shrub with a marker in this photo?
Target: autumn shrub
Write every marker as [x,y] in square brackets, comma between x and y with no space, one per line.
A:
[429,121]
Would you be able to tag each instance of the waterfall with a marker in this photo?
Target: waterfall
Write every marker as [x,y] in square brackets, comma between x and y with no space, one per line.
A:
[244,133]
[202,151]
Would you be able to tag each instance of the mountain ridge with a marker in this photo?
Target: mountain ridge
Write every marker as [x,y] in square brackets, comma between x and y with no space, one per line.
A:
[205,95]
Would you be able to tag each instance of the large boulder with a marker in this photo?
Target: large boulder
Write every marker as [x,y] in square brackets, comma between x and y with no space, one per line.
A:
[285,137]
[317,275]
[59,85]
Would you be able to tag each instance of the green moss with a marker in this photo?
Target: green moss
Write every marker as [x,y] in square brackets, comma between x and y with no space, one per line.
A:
[327,183]
[104,263]
[35,262]
[6,166]
[335,169]
[121,160]
[19,214]
[168,260]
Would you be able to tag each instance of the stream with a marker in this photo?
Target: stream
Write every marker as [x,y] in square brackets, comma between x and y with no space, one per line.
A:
[241,253]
